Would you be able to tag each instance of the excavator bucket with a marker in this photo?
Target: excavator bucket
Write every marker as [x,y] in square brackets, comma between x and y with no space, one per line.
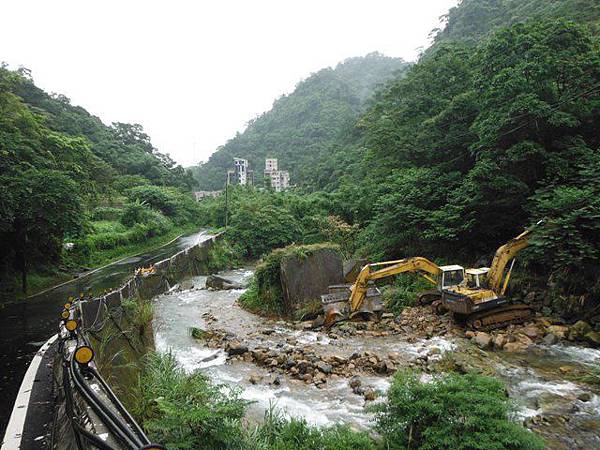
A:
[336,307]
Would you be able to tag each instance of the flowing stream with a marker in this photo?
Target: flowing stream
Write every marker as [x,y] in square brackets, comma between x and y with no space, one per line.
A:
[535,380]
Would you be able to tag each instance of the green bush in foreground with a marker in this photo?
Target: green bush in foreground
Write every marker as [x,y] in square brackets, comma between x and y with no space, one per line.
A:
[451,412]
[280,433]
[187,411]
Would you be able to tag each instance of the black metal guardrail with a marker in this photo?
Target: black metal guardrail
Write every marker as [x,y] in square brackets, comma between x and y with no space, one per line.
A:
[90,403]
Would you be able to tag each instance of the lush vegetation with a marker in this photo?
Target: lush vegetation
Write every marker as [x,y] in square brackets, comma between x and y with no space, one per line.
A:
[260,221]
[301,126]
[451,412]
[66,177]
[493,129]
[511,140]
[404,291]
[473,20]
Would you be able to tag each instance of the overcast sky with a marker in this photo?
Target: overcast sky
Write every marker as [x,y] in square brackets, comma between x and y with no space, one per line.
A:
[195,72]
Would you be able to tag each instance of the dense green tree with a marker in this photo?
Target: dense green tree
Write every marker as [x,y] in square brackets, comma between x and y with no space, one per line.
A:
[455,412]
[486,127]
[56,163]
[38,208]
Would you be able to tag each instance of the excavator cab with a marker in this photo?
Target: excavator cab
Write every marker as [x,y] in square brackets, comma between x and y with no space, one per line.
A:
[453,275]
[476,277]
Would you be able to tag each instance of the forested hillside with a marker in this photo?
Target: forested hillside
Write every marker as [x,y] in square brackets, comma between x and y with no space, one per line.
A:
[493,129]
[62,168]
[472,20]
[301,126]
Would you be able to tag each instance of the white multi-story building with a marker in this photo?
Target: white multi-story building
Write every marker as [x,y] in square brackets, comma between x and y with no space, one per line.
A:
[279,179]
[270,164]
[204,194]
[241,174]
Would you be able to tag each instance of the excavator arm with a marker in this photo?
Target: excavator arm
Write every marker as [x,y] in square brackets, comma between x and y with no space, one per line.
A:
[376,271]
[504,255]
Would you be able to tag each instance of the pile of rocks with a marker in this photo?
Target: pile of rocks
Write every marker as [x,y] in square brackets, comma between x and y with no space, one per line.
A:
[306,365]
[302,362]
[421,322]
[416,322]
[517,338]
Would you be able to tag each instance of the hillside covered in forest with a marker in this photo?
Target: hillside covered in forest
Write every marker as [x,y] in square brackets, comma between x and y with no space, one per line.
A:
[65,176]
[303,125]
[492,130]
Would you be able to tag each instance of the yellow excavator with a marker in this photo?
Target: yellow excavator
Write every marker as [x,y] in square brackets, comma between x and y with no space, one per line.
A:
[476,297]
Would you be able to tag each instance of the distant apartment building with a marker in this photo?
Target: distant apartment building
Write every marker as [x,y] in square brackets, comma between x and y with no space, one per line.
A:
[270,164]
[279,179]
[205,194]
[241,173]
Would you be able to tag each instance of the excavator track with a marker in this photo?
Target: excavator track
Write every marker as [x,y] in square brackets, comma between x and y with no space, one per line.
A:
[429,297]
[499,317]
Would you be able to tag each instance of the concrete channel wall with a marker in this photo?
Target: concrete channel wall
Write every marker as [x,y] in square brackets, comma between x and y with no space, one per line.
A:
[191,261]
[83,410]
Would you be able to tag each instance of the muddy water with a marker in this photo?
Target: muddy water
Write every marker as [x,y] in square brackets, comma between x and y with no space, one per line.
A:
[542,382]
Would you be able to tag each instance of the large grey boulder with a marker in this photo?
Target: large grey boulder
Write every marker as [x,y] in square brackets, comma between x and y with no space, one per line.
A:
[352,268]
[219,283]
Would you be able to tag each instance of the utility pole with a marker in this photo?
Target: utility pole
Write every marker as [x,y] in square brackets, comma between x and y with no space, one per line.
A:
[226,201]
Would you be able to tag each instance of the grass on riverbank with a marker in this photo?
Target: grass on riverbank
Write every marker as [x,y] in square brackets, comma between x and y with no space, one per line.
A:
[454,411]
[102,257]
[47,278]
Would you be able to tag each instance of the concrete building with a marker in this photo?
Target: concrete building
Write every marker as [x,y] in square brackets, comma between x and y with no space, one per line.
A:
[205,194]
[241,173]
[279,179]
[270,164]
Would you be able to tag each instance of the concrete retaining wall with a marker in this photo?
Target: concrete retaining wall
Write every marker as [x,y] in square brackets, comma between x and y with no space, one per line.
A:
[188,262]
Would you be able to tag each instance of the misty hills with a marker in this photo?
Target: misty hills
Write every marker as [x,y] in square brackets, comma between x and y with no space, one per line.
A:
[301,126]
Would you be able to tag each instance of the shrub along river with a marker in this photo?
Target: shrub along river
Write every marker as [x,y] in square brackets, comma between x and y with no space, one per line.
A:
[566,413]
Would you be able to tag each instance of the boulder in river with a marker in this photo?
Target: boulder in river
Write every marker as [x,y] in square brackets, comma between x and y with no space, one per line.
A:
[483,340]
[369,394]
[255,378]
[219,283]
[235,347]
[593,337]
[560,331]
[324,367]
[579,330]
[352,268]
[550,339]
[514,347]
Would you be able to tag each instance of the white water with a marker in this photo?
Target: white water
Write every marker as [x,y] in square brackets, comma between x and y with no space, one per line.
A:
[531,378]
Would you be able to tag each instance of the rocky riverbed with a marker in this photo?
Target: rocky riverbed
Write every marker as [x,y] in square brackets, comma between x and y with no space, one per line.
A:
[329,376]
